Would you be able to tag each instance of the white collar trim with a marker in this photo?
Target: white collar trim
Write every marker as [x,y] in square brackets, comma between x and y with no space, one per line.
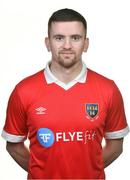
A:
[50,78]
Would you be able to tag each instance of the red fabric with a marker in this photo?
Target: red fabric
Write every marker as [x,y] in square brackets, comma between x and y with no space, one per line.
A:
[77,151]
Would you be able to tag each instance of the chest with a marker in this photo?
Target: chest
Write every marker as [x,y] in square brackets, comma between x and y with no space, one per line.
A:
[72,110]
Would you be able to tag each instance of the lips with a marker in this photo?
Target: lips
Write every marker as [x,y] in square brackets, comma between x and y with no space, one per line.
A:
[66,52]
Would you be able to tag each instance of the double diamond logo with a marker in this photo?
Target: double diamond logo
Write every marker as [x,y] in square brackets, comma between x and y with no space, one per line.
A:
[40,110]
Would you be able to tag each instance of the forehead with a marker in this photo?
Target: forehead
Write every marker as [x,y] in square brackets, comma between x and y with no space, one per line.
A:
[67,28]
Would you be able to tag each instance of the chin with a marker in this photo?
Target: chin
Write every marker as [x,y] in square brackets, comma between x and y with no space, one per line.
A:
[66,64]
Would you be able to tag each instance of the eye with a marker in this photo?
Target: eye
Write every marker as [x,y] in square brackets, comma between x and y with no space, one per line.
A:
[59,38]
[76,37]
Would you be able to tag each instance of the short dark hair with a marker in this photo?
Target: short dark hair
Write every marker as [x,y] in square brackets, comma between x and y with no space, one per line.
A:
[64,15]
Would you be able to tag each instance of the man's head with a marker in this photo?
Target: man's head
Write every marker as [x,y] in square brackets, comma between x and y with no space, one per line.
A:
[67,37]
[66,15]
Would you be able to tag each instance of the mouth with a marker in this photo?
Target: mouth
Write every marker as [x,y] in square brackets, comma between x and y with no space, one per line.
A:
[66,52]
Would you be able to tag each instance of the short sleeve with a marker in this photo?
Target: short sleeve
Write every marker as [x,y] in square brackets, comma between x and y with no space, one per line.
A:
[116,125]
[15,128]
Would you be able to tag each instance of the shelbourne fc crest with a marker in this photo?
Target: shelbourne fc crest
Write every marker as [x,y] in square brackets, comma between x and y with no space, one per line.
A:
[92,110]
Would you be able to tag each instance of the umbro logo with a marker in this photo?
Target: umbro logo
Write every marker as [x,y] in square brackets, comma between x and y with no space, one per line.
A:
[40,110]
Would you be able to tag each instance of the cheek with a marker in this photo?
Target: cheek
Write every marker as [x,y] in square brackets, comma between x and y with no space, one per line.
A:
[79,47]
[55,47]
[55,51]
[79,50]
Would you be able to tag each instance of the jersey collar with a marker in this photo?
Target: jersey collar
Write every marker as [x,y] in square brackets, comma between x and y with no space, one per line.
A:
[50,78]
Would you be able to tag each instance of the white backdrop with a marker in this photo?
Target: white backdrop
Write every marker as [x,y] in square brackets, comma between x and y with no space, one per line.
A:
[23,27]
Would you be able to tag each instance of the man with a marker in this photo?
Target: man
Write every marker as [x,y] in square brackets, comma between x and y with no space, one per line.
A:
[65,110]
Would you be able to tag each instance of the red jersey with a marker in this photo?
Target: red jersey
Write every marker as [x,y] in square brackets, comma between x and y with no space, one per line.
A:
[65,126]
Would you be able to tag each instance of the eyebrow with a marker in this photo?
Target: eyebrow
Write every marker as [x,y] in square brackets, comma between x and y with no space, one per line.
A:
[61,35]
[77,35]
[56,35]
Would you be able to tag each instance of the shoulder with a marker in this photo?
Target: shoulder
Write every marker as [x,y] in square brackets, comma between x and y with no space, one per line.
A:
[31,84]
[96,75]
[32,78]
[31,81]
[97,78]
[102,84]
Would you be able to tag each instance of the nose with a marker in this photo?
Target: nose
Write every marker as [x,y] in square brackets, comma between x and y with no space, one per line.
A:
[67,44]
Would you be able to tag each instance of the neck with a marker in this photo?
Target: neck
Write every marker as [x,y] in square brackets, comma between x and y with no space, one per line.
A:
[63,74]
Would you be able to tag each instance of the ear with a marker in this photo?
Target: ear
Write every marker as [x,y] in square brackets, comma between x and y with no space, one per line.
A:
[47,43]
[86,44]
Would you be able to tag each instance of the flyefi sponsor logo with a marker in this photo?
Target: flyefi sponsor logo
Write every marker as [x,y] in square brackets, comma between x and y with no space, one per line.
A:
[46,137]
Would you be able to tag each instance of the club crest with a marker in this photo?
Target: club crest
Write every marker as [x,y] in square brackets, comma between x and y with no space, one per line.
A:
[91,110]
